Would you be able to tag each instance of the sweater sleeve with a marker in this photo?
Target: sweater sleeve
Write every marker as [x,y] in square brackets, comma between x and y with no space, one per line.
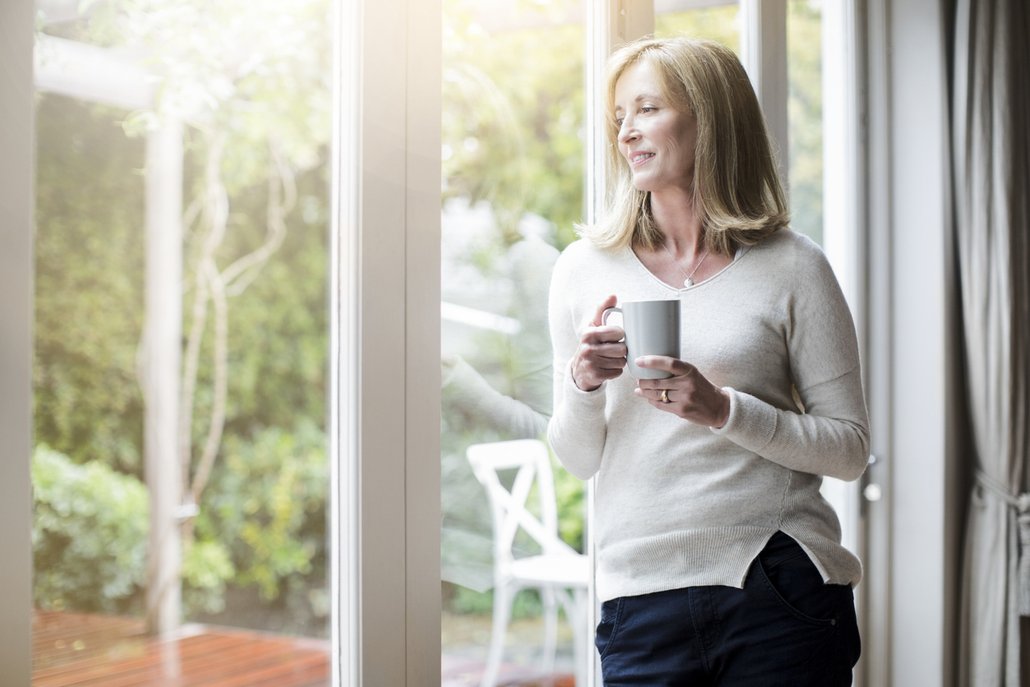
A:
[467,389]
[577,429]
[829,435]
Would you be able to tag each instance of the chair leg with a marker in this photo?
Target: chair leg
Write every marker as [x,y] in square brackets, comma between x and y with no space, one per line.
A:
[581,635]
[504,596]
[550,603]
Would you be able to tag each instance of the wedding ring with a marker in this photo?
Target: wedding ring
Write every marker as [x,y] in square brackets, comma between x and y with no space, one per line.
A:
[664,398]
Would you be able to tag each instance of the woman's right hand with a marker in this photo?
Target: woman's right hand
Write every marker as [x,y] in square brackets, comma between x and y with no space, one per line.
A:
[602,351]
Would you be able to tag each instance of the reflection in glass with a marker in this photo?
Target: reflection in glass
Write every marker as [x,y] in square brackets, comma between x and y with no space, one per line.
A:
[513,132]
[182,211]
[805,116]
[716,21]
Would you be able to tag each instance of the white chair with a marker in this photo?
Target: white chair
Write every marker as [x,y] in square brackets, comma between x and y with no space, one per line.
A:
[558,571]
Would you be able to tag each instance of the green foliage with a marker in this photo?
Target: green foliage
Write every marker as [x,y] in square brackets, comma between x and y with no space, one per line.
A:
[89,535]
[249,68]
[265,526]
[570,494]
[463,600]
[805,113]
[206,569]
[89,276]
[720,23]
[267,505]
[513,120]
[89,540]
[278,327]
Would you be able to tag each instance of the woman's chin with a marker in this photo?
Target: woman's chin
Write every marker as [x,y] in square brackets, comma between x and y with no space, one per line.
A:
[643,184]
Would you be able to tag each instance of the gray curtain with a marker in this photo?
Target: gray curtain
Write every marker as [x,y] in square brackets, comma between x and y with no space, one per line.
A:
[991,160]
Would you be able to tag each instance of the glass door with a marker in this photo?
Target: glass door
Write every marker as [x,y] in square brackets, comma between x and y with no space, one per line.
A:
[513,189]
[180,472]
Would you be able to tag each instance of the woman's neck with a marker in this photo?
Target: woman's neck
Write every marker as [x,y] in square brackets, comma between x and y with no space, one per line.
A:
[674,213]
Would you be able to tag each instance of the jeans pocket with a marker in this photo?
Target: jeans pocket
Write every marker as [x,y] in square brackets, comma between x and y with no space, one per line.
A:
[607,629]
[798,588]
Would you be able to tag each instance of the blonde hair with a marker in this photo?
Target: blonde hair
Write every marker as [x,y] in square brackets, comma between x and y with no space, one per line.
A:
[737,189]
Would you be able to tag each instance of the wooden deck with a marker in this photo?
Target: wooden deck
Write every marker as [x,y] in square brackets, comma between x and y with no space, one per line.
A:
[94,651]
[104,651]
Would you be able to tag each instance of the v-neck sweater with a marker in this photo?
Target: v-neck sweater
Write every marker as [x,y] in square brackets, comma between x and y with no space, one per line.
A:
[678,504]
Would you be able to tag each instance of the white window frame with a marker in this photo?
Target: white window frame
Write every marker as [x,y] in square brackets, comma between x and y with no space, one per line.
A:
[385,350]
[17,199]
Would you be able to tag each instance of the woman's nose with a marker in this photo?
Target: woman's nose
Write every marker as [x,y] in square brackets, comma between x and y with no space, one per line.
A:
[627,132]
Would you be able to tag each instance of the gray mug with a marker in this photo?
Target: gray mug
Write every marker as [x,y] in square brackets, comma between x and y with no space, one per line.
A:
[652,328]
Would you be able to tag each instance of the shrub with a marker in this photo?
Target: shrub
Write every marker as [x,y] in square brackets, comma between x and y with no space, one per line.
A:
[266,505]
[89,540]
[89,535]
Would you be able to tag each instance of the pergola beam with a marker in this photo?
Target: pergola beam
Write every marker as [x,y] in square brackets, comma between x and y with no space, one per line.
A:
[87,72]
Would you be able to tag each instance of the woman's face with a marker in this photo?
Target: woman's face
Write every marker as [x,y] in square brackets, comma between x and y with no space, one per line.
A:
[656,139]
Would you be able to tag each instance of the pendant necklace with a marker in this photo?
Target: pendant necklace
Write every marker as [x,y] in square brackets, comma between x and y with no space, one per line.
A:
[688,279]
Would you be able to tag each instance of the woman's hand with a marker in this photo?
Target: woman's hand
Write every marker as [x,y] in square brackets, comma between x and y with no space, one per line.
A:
[690,395]
[602,352]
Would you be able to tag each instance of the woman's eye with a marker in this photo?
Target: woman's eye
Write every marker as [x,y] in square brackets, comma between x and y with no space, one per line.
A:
[618,122]
[648,108]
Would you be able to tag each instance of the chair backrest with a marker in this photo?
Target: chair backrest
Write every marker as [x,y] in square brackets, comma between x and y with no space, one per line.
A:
[532,463]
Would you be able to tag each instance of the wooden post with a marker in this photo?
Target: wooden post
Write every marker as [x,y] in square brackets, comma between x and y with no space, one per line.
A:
[160,373]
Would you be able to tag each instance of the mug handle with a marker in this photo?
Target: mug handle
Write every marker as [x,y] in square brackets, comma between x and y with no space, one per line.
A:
[609,311]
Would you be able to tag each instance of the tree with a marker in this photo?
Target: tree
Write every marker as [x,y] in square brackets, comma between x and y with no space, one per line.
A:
[252,81]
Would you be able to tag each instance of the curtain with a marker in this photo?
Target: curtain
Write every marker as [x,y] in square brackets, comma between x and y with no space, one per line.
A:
[991,157]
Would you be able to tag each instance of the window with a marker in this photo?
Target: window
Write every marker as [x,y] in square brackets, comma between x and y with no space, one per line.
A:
[180,470]
[513,188]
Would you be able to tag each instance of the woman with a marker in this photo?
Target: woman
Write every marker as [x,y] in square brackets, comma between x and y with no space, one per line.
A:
[718,561]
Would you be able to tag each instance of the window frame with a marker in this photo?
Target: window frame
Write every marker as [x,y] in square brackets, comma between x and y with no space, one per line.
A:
[385,332]
[17,198]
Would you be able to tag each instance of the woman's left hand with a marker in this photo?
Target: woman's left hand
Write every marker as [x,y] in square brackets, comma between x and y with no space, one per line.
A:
[687,393]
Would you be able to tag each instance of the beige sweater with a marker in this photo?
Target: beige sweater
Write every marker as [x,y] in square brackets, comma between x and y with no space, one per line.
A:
[681,505]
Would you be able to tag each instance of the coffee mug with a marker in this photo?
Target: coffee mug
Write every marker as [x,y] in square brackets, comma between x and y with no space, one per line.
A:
[652,328]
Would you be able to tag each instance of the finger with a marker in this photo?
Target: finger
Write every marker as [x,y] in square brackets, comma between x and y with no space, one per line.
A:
[606,364]
[609,302]
[614,351]
[652,394]
[664,363]
[603,334]
[653,385]
[654,397]
[610,372]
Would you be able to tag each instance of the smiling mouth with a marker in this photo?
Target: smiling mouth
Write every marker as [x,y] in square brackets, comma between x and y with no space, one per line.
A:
[640,158]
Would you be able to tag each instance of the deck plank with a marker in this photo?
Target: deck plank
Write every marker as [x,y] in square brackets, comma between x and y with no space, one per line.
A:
[84,650]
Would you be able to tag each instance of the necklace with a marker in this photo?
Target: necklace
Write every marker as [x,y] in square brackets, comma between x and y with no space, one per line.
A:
[688,279]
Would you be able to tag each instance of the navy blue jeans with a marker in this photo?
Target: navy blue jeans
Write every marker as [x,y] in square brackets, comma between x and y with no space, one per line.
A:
[785,627]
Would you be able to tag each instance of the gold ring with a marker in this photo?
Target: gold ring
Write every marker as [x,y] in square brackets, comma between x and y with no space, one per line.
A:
[664,398]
